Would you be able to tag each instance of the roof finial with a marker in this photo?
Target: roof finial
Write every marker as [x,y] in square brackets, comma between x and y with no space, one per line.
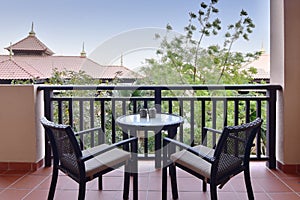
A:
[262,47]
[83,53]
[121,59]
[32,33]
[10,51]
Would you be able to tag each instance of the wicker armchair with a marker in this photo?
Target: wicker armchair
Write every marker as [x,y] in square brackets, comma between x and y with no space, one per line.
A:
[84,166]
[216,165]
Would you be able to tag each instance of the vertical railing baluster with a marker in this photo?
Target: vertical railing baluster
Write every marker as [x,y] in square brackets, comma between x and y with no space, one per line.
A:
[236,112]
[258,136]
[81,118]
[103,125]
[113,121]
[225,112]
[192,116]
[248,109]
[236,122]
[170,106]
[70,112]
[92,122]
[60,112]
[134,108]
[181,114]
[203,119]
[214,120]
[145,139]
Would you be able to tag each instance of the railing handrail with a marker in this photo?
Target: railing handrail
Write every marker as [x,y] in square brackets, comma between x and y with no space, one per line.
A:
[162,87]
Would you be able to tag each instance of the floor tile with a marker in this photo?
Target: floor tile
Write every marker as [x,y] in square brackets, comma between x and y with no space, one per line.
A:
[15,172]
[37,195]
[258,196]
[13,194]
[284,195]
[28,182]
[293,183]
[272,185]
[238,185]
[7,180]
[267,185]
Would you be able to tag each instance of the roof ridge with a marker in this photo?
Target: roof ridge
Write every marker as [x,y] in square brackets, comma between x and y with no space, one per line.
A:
[38,71]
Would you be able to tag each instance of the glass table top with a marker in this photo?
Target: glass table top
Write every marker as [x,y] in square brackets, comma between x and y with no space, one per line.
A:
[159,120]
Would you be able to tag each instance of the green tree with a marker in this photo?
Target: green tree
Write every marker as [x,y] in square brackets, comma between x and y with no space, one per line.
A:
[183,59]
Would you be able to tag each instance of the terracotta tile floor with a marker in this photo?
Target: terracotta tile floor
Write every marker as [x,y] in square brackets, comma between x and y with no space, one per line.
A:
[267,184]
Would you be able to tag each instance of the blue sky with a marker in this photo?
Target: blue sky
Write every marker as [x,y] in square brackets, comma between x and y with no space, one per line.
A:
[63,25]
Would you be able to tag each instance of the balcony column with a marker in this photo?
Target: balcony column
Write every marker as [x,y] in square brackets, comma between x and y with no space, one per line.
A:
[22,135]
[285,70]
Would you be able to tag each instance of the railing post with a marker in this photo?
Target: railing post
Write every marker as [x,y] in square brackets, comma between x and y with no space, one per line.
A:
[48,109]
[271,129]
[157,99]
[158,138]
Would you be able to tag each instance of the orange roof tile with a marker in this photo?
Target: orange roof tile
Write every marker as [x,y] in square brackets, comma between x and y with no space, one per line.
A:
[262,64]
[43,66]
[112,72]
[10,69]
[30,43]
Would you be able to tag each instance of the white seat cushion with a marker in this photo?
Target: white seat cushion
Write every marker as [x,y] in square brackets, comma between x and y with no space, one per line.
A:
[226,164]
[105,160]
[193,161]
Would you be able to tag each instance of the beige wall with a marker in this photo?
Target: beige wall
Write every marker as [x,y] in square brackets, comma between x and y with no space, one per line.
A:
[285,70]
[21,134]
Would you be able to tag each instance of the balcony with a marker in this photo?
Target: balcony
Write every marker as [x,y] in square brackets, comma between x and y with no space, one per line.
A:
[60,104]
[267,184]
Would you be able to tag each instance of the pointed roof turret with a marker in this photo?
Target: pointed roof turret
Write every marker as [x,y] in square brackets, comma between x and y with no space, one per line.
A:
[121,59]
[83,53]
[30,45]
[32,33]
[10,53]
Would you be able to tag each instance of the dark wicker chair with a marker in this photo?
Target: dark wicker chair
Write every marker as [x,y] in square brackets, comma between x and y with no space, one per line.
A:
[84,166]
[227,158]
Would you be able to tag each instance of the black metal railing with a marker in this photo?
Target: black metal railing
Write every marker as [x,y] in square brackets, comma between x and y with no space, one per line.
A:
[86,107]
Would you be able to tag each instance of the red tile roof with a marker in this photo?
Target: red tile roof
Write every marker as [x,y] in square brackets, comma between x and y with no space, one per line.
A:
[33,59]
[42,67]
[11,70]
[30,43]
[262,64]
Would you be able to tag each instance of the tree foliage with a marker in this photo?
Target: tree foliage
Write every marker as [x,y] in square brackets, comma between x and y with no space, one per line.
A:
[184,60]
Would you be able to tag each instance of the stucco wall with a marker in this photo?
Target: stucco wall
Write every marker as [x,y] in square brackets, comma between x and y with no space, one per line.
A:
[285,70]
[21,134]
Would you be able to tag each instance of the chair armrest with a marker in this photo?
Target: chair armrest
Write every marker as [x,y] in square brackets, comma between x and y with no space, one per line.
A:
[190,149]
[87,131]
[212,130]
[110,147]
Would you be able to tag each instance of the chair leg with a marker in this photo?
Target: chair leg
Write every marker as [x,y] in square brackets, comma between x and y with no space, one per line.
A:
[135,186]
[100,183]
[81,194]
[53,183]
[126,183]
[204,186]
[164,182]
[213,191]
[248,183]
[172,169]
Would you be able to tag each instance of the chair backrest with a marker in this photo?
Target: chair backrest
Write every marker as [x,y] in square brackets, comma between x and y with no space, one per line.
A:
[65,147]
[234,146]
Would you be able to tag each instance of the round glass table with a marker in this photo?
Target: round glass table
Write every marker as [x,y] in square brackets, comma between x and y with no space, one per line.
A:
[130,124]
